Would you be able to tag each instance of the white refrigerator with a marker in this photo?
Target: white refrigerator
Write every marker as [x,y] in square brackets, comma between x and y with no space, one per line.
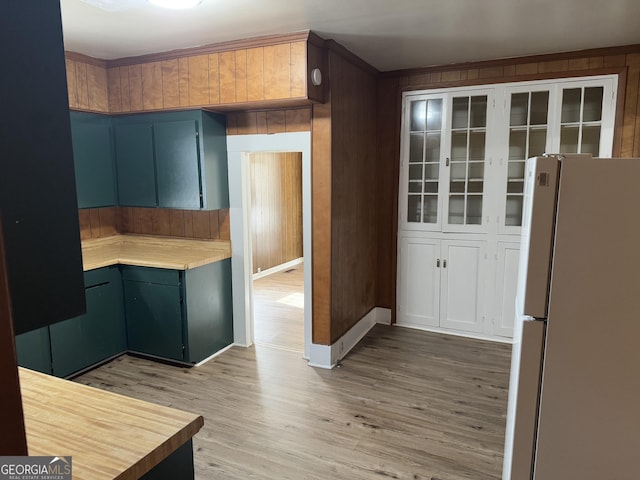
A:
[574,393]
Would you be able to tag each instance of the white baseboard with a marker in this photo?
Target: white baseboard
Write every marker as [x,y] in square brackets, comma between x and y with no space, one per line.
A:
[278,268]
[219,352]
[445,331]
[328,356]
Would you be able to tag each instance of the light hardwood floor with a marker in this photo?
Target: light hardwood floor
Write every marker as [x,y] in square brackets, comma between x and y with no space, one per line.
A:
[278,304]
[405,404]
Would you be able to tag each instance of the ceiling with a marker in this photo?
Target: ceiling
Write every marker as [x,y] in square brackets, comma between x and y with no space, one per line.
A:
[388,34]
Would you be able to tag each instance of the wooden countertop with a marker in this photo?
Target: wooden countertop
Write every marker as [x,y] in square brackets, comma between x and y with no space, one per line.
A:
[152,251]
[109,436]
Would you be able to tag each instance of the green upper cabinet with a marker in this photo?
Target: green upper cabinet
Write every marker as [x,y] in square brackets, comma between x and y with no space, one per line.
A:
[172,160]
[93,159]
[135,164]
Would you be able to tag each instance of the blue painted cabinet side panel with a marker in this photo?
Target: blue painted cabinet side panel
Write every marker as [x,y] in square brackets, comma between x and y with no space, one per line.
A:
[34,350]
[215,183]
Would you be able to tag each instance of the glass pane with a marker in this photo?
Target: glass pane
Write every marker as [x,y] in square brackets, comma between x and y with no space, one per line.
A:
[592,111]
[460,112]
[571,99]
[515,186]
[516,170]
[519,109]
[513,214]
[458,171]
[415,187]
[456,186]
[431,171]
[591,140]
[475,187]
[434,114]
[458,146]
[474,210]
[416,145]
[431,187]
[415,172]
[478,111]
[539,108]
[433,147]
[414,208]
[476,145]
[430,209]
[517,145]
[418,115]
[476,170]
[569,139]
[456,209]
[537,142]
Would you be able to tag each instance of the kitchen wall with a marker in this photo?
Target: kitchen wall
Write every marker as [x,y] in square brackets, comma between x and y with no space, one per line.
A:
[276,208]
[624,61]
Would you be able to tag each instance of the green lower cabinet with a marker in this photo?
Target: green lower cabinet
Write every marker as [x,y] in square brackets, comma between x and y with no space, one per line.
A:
[179,315]
[34,350]
[99,334]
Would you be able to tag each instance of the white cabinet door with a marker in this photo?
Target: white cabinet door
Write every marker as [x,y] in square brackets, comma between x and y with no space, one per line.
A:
[504,309]
[418,282]
[463,276]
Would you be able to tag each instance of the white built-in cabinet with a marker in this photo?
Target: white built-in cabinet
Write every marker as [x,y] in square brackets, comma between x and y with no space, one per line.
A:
[463,152]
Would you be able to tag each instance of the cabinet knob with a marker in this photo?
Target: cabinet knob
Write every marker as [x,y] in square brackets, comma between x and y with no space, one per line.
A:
[444,263]
[447,161]
[438,263]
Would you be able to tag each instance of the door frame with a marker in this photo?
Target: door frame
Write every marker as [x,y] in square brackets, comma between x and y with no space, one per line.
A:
[238,148]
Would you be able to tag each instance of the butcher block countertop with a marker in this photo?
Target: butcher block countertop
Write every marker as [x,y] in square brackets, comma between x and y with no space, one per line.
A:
[109,436]
[152,251]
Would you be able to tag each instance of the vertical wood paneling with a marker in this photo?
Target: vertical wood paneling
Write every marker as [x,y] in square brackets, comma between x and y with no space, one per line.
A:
[262,123]
[82,85]
[125,89]
[199,80]
[298,120]
[161,221]
[97,88]
[115,90]
[170,83]
[135,87]
[176,223]
[183,81]
[298,69]
[227,77]
[255,74]
[277,71]
[72,83]
[630,127]
[276,121]
[152,86]
[214,79]
[241,76]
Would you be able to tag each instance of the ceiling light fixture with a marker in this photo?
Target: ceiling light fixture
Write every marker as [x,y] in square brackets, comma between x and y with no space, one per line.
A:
[176,4]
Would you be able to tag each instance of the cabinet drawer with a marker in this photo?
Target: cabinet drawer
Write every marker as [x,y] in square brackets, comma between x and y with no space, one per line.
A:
[151,275]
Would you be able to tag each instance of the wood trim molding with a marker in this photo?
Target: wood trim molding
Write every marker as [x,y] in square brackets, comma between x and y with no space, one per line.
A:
[13,441]
[79,57]
[212,48]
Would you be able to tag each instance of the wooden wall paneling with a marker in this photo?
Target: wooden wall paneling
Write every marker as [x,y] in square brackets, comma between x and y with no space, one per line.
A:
[227,77]
[224,226]
[262,123]
[201,224]
[160,221]
[108,221]
[232,123]
[321,222]
[255,74]
[353,227]
[199,80]
[188,223]
[183,81]
[114,90]
[125,89]
[135,88]
[94,218]
[72,83]
[152,86]
[97,88]
[255,227]
[298,120]
[277,71]
[214,224]
[629,126]
[214,79]
[13,440]
[316,58]
[241,76]
[170,83]
[82,85]
[176,223]
[84,219]
[299,72]
[276,122]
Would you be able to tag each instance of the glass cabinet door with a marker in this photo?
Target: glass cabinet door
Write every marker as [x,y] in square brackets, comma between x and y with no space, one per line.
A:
[581,120]
[423,160]
[468,140]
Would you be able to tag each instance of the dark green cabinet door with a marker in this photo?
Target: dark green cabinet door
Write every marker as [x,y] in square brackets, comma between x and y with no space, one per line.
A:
[34,350]
[68,348]
[93,160]
[135,165]
[154,319]
[177,164]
